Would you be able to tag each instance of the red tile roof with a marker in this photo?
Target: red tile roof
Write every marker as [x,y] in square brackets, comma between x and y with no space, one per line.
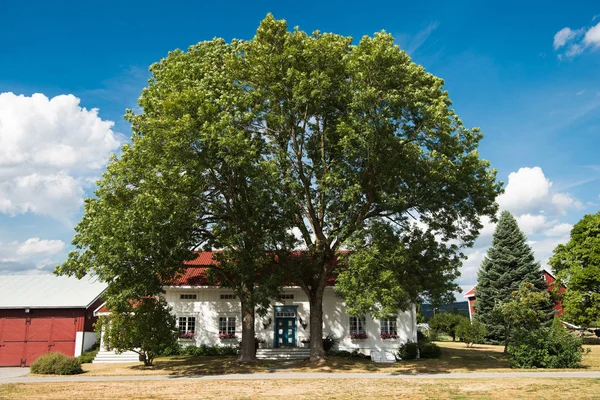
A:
[196,273]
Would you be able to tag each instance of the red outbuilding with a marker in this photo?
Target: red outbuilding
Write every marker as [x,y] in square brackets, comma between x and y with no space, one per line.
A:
[548,278]
[45,313]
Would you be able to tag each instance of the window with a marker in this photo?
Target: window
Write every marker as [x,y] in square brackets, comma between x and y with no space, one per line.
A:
[389,328]
[188,296]
[228,296]
[285,314]
[227,326]
[286,296]
[357,326]
[187,327]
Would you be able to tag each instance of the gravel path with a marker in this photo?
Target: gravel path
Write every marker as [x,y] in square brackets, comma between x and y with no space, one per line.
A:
[302,375]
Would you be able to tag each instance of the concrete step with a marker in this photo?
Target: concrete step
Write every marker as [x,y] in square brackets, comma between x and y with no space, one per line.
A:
[112,357]
[282,354]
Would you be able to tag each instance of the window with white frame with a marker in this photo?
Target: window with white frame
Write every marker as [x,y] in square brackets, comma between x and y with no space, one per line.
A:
[357,326]
[227,296]
[188,296]
[389,326]
[227,325]
[187,327]
[286,296]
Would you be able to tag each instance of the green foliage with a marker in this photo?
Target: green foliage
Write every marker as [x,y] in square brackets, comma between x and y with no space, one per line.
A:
[56,364]
[147,327]
[87,356]
[173,350]
[508,263]
[577,265]
[408,350]
[471,332]
[206,350]
[546,348]
[240,142]
[347,354]
[430,350]
[330,342]
[447,323]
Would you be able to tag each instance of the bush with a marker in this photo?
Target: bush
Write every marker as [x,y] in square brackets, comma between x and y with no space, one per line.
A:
[87,356]
[409,351]
[545,348]
[471,331]
[329,342]
[173,350]
[343,353]
[430,350]
[56,364]
[205,350]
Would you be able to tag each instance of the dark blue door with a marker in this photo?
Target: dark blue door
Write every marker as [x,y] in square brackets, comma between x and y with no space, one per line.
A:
[285,332]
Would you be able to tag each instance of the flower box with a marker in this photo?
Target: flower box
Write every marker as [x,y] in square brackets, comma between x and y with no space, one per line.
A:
[187,336]
[227,336]
[358,336]
[391,335]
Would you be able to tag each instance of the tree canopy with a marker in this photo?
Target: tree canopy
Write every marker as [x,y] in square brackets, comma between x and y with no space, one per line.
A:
[241,143]
[577,265]
[508,263]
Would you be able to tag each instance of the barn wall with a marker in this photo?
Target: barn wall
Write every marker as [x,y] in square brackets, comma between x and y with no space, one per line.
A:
[208,307]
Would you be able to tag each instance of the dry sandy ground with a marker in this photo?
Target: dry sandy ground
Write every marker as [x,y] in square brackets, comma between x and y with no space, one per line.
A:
[521,388]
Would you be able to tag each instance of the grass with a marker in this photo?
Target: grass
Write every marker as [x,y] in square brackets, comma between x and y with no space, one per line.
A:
[502,389]
[456,357]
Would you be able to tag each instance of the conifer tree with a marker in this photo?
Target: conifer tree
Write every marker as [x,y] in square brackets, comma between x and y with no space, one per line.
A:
[508,263]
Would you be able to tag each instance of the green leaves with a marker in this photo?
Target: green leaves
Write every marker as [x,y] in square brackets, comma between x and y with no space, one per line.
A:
[577,264]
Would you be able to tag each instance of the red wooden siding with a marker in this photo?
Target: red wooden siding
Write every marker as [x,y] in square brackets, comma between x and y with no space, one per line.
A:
[26,336]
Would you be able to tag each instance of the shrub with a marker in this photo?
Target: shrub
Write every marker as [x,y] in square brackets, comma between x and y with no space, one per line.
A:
[471,332]
[545,348]
[329,342]
[409,350]
[172,350]
[87,356]
[430,350]
[205,350]
[347,354]
[56,364]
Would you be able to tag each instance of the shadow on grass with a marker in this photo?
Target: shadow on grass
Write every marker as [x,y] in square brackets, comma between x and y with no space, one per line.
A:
[453,359]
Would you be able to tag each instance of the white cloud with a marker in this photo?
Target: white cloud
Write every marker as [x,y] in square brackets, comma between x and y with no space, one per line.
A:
[564,36]
[531,224]
[34,254]
[37,246]
[575,42]
[563,230]
[48,150]
[529,191]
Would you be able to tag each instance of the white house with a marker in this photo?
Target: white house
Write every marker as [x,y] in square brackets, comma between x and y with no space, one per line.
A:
[212,315]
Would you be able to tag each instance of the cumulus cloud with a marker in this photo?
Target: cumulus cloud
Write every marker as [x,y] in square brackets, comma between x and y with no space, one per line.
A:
[34,254]
[529,191]
[49,149]
[570,43]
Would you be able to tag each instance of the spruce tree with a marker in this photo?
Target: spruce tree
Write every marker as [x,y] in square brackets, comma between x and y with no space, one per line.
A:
[508,263]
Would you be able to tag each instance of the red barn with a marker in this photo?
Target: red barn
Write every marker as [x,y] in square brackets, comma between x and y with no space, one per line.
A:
[548,278]
[45,313]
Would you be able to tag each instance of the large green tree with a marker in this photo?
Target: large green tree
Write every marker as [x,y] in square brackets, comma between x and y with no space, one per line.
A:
[342,135]
[195,176]
[577,265]
[360,132]
[508,263]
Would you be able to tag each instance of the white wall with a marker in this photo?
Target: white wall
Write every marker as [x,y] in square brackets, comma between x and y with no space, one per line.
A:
[208,307]
[83,341]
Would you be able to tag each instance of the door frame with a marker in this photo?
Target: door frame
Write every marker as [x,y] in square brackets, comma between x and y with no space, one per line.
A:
[278,309]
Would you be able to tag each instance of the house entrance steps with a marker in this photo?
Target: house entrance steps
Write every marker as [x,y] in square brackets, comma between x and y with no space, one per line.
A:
[282,353]
[104,356]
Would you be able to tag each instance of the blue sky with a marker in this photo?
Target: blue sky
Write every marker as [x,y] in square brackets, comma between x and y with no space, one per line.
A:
[510,68]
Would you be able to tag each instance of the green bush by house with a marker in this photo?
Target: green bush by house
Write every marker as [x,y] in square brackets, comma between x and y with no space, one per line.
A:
[56,364]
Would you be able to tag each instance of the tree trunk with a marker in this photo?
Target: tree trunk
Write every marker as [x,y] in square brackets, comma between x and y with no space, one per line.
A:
[317,353]
[506,339]
[248,346]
